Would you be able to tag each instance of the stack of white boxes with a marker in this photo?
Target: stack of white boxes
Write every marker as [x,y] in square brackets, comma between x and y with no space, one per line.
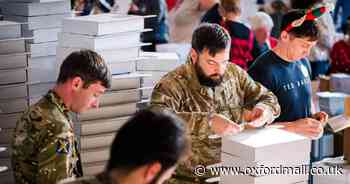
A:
[117,39]
[264,149]
[155,65]
[334,173]
[340,82]
[331,102]
[13,88]
[42,20]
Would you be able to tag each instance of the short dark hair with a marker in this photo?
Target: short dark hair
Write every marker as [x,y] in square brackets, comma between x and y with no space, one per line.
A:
[308,29]
[86,64]
[148,137]
[211,36]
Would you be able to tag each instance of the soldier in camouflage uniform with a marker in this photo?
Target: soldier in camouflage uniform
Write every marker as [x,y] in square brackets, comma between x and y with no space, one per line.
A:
[44,145]
[145,151]
[211,95]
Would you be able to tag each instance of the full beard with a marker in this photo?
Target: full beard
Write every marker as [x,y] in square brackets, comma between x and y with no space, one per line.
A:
[207,80]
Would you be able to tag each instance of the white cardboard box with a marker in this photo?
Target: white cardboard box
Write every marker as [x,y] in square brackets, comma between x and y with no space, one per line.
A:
[264,144]
[109,112]
[153,77]
[122,67]
[8,121]
[106,42]
[97,141]
[42,35]
[13,91]
[11,46]
[12,76]
[91,169]
[42,49]
[38,22]
[10,61]
[6,136]
[39,89]
[340,83]
[126,81]
[35,9]
[103,24]
[298,160]
[154,61]
[95,155]
[120,97]
[110,56]
[42,69]
[9,29]
[272,179]
[102,125]
[13,105]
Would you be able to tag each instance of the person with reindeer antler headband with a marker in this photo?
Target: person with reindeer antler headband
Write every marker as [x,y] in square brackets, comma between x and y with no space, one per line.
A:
[286,71]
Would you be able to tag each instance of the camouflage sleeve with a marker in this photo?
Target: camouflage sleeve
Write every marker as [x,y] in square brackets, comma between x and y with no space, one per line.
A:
[257,94]
[55,150]
[39,155]
[169,98]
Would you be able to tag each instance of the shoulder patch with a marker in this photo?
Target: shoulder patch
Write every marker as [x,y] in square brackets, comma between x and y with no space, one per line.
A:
[63,146]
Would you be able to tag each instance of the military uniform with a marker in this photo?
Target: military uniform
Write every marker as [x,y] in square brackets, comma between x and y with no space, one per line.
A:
[180,91]
[101,178]
[44,146]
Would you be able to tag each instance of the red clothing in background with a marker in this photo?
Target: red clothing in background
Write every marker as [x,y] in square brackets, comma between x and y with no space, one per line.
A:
[171,4]
[340,57]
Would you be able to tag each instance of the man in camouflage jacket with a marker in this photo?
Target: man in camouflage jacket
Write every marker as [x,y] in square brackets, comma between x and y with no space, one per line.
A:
[44,145]
[213,97]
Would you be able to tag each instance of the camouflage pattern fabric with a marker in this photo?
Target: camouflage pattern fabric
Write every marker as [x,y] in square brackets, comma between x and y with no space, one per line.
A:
[44,146]
[179,91]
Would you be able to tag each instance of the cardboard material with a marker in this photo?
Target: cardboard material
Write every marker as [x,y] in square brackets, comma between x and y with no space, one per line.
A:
[12,76]
[42,49]
[8,121]
[42,69]
[126,81]
[120,97]
[9,29]
[91,169]
[259,145]
[106,42]
[10,61]
[97,141]
[35,9]
[13,91]
[12,46]
[95,155]
[110,56]
[39,89]
[42,35]
[102,125]
[340,83]
[109,112]
[123,67]
[38,22]
[324,83]
[103,24]
[331,102]
[13,105]
[153,61]
[6,136]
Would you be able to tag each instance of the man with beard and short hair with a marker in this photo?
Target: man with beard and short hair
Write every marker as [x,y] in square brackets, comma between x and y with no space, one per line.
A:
[213,96]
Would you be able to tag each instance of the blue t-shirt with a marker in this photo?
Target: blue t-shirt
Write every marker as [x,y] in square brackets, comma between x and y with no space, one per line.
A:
[289,81]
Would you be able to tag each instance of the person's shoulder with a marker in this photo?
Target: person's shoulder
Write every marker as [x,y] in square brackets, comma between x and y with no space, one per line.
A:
[176,76]
[265,60]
